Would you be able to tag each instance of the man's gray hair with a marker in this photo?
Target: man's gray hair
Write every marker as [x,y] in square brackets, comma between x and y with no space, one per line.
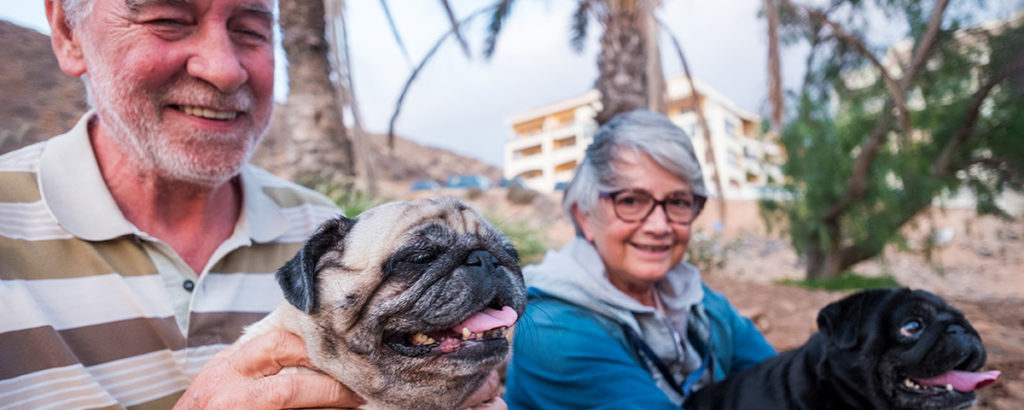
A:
[643,132]
[75,11]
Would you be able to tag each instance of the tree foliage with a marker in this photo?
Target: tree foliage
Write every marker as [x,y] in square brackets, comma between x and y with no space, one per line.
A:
[880,132]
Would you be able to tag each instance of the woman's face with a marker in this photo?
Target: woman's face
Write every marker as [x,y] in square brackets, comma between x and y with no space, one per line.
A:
[637,254]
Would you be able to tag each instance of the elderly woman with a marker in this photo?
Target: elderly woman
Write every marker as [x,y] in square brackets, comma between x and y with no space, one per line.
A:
[615,318]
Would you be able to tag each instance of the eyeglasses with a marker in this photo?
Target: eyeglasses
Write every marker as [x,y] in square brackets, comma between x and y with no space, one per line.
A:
[635,205]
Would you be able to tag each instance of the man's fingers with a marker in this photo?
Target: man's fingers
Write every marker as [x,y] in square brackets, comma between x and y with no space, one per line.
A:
[485,393]
[268,353]
[304,390]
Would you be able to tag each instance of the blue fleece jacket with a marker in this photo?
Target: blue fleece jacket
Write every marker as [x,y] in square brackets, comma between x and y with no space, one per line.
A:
[569,352]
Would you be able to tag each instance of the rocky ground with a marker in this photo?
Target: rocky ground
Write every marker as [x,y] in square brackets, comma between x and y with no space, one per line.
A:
[978,270]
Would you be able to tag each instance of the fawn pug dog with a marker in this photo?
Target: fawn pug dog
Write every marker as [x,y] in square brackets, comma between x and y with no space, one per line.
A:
[407,304]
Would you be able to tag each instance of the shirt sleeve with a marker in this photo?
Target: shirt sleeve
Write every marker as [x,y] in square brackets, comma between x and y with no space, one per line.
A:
[564,358]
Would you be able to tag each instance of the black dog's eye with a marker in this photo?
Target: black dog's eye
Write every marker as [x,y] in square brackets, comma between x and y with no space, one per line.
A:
[911,328]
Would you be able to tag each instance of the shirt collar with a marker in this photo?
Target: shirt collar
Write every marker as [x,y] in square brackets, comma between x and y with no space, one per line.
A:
[74,190]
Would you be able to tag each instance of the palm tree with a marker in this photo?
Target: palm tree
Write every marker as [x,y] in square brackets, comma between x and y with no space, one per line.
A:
[319,139]
[629,66]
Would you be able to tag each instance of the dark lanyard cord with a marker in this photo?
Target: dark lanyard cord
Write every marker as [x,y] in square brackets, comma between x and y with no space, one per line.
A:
[691,379]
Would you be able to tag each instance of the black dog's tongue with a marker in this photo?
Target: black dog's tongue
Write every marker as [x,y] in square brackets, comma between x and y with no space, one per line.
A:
[961,380]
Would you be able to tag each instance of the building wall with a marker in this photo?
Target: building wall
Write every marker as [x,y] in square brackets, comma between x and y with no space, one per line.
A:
[537,152]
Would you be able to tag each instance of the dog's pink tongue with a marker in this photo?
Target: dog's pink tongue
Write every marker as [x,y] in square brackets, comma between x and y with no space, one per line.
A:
[488,319]
[962,381]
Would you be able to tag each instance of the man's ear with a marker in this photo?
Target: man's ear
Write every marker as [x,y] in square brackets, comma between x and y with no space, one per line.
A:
[298,277]
[65,40]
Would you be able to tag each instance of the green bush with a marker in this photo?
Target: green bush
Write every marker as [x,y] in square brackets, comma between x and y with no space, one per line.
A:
[707,252]
[529,241]
[352,201]
[846,281]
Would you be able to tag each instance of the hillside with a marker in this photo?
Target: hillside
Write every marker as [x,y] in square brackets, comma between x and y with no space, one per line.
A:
[37,100]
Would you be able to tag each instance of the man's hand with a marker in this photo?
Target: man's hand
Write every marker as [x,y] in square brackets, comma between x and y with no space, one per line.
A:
[487,398]
[247,376]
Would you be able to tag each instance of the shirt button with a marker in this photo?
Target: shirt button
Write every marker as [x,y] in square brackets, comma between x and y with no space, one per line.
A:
[188,285]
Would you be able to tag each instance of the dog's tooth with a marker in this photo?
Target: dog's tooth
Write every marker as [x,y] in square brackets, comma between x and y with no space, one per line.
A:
[949,387]
[466,333]
[420,339]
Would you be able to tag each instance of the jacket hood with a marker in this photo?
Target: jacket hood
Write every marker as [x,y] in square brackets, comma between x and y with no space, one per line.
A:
[577,274]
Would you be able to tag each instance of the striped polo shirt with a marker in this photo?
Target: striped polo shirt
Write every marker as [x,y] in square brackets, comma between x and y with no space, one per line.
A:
[97,314]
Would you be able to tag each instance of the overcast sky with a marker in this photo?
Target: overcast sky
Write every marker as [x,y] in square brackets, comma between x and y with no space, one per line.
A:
[461,104]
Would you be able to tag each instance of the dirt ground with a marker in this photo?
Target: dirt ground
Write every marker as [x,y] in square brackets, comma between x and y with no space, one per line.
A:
[977,269]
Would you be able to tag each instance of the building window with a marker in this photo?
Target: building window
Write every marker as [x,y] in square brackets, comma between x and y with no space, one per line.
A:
[565,142]
[565,166]
[733,159]
[531,174]
[730,128]
[528,151]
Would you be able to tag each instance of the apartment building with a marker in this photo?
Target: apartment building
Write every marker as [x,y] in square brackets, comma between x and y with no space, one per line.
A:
[546,144]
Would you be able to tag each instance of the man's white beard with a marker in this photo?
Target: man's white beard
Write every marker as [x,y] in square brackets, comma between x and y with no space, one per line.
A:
[133,121]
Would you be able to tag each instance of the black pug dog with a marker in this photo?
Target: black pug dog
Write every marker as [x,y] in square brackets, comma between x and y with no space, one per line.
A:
[876,349]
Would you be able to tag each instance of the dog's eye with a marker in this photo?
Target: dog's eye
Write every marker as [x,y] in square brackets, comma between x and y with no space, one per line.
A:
[911,328]
[420,258]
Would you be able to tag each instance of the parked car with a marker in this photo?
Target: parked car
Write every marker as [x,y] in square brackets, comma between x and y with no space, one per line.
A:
[424,185]
[517,181]
[468,181]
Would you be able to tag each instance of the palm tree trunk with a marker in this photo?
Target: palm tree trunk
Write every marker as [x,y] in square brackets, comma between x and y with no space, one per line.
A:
[622,64]
[321,145]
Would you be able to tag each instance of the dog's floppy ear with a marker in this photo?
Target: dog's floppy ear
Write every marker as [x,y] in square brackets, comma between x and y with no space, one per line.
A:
[840,321]
[298,276]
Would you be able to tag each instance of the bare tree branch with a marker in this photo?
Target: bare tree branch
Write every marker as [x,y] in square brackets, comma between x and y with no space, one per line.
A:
[698,108]
[344,87]
[774,66]
[455,27]
[394,32]
[419,67]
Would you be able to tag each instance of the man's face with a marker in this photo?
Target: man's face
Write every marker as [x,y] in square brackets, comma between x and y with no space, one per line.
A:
[184,87]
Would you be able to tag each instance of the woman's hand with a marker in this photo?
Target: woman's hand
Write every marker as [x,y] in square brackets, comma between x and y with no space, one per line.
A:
[247,376]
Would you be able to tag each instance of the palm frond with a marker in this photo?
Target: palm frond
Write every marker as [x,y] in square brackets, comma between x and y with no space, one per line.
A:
[579,25]
[500,12]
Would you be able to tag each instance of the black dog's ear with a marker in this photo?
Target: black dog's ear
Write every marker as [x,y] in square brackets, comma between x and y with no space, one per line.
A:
[840,321]
[298,276]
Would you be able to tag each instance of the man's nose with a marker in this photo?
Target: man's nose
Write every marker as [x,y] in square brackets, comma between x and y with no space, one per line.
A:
[215,60]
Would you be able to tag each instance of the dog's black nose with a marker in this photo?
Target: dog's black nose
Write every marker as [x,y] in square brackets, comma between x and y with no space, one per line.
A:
[481,258]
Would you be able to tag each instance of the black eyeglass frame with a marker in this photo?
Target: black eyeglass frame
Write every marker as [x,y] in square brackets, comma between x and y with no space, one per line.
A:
[698,205]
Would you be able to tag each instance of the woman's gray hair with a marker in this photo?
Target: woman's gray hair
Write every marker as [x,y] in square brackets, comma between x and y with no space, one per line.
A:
[643,132]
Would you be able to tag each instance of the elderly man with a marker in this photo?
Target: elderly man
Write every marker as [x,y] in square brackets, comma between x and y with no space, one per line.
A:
[136,246]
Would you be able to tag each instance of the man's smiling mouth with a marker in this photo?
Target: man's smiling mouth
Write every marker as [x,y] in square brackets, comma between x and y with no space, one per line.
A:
[207,113]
